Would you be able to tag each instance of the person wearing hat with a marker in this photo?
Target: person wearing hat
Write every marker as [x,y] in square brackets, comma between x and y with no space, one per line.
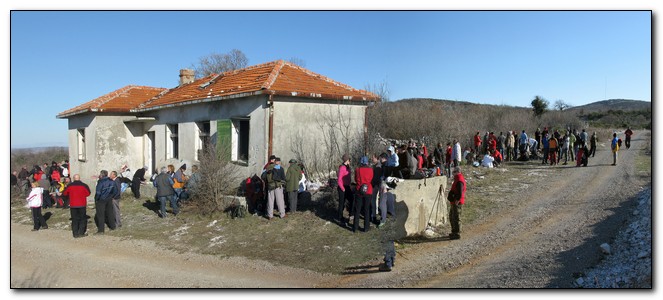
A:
[270,162]
[343,186]
[292,178]
[139,177]
[456,198]
[275,178]
[363,178]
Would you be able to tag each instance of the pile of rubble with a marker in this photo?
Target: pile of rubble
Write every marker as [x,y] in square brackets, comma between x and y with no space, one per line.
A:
[628,260]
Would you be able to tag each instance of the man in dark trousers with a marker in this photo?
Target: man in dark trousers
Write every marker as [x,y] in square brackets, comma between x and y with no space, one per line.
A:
[103,202]
[139,177]
[456,198]
[292,178]
[77,192]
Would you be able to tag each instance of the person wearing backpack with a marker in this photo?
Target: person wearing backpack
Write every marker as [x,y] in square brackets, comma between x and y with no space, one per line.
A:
[363,178]
[615,147]
[292,178]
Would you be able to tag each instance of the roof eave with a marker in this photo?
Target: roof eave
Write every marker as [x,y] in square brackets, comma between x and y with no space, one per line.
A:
[198,100]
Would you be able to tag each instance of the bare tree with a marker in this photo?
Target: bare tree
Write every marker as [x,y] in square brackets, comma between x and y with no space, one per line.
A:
[219,182]
[561,105]
[297,61]
[216,63]
[381,89]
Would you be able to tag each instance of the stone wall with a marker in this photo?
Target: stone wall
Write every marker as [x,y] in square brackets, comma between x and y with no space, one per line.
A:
[417,204]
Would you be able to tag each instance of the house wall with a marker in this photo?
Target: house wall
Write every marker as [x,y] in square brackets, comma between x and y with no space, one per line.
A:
[187,116]
[301,128]
[109,144]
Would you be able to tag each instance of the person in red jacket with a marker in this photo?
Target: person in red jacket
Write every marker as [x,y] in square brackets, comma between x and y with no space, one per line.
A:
[477,142]
[78,192]
[363,178]
[456,198]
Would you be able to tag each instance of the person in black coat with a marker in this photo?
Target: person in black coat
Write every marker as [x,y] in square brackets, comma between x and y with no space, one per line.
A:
[139,177]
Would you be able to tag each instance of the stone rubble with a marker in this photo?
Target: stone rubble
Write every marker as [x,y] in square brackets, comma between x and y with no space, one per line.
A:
[628,263]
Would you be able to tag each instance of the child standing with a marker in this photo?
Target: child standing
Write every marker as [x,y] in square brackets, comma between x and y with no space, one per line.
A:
[35,202]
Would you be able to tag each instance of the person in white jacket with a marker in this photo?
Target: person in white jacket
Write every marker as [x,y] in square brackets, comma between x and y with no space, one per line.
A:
[34,202]
[456,154]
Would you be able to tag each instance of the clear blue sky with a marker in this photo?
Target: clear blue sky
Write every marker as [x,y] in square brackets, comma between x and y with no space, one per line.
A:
[63,59]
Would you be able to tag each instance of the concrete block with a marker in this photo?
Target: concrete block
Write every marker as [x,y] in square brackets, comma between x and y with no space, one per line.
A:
[417,201]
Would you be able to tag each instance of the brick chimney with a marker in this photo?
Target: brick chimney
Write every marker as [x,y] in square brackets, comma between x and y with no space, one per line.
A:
[186,76]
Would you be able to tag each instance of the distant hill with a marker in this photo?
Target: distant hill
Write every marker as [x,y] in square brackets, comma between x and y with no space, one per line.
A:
[613,104]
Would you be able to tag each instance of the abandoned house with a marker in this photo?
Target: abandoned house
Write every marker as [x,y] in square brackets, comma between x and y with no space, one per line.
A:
[247,114]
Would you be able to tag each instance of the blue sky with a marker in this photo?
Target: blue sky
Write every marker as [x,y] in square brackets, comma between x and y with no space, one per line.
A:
[63,59]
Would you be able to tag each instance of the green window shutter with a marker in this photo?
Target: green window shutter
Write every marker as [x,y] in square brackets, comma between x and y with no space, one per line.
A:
[223,138]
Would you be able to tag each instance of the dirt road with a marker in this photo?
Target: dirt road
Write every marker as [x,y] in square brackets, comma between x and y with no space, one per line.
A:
[547,233]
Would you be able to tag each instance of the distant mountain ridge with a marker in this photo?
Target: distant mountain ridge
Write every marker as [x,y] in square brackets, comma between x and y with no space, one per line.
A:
[613,104]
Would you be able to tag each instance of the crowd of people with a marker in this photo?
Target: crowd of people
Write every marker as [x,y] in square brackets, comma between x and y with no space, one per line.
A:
[368,196]
[51,186]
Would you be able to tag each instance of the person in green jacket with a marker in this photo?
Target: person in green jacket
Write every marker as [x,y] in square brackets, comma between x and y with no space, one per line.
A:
[292,178]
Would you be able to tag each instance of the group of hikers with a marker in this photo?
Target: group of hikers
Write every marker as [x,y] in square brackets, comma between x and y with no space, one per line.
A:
[51,186]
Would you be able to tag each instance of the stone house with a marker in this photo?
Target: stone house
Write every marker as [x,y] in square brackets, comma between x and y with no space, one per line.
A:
[247,114]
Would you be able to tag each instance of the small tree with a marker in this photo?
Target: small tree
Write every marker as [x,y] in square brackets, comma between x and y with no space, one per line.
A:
[539,105]
[297,61]
[381,89]
[216,63]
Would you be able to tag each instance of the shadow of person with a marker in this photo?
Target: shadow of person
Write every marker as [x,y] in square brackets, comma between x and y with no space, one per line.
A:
[153,206]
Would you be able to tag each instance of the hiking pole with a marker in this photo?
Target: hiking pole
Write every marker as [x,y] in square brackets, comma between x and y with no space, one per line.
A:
[437,198]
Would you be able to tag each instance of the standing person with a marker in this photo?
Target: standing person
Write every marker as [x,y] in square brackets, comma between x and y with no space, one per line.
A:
[376,182]
[565,148]
[103,202]
[45,184]
[615,147]
[138,178]
[627,141]
[13,181]
[34,201]
[546,148]
[584,137]
[275,181]
[592,141]
[393,163]
[344,191]
[501,141]
[447,155]
[438,154]
[573,146]
[477,142]
[77,191]
[456,154]
[552,144]
[292,178]
[456,198]
[179,179]
[165,192]
[537,137]
[363,178]
[523,142]
[23,181]
[116,198]
[510,143]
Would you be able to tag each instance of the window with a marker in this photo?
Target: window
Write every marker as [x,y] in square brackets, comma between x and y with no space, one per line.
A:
[172,141]
[240,139]
[80,133]
[203,141]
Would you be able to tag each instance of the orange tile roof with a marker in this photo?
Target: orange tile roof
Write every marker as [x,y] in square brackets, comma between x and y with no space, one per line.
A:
[276,78]
[272,78]
[121,100]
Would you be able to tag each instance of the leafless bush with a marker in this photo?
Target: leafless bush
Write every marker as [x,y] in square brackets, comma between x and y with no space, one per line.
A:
[219,180]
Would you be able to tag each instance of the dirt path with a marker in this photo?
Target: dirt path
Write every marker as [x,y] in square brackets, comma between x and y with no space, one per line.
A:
[51,258]
[546,234]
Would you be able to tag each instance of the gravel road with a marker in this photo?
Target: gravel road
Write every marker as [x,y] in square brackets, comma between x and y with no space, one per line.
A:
[545,237]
